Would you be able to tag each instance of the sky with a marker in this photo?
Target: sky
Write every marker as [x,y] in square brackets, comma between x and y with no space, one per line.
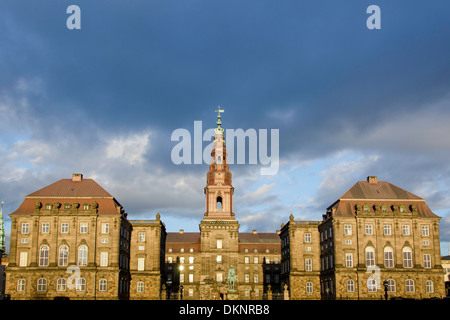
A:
[104,100]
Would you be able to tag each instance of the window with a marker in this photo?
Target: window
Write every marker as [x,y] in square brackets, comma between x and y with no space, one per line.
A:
[219,258]
[255,278]
[308,264]
[219,203]
[387,230]
[81,284]
[309,287]
[307,237]
[348,242]
[219,243]
[23,259]
[427,261]
[191,291]
[388,257]
[219,277]
[409,285]
[21,285]
[350,286]
[191,260]
[191,277]
[426,242]
[246,260]
[347,229]
[141,237]
[406,231]
[48,206]
[42,284]
[105,240]
[370,257]
[402,209]
[63,256]
[247,278]
[45,227]
[369,229]
[366,208]
[181,277]
[61,284]
[141,263]
[103,259]
[349,260]
[140,286]
[102,285]
[67,206]
[425,231]
[82,255]
[371,285]
[85,206]
[384,208]
[64,227]
[391,285]
[105,227]
[43,256]
[83,227]
[407,257]
[430,287]
[25,228]
[255,259]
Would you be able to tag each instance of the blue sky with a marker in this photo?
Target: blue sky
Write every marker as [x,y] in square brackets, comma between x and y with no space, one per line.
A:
[348,101]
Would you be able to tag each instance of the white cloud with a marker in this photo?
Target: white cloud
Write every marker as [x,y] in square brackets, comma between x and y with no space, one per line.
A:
[129,149]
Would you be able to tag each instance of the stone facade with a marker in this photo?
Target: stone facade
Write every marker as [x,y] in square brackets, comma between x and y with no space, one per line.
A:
[70,239]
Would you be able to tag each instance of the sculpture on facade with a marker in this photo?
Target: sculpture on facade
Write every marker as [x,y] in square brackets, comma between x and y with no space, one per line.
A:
[231,278]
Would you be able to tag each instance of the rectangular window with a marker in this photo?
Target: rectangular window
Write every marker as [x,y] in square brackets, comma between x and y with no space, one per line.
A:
[45,227]
[181,277]
[25,228]
[255,259]
[255,278]
[64,227]
[23,260]
[425,231]
[246,260]
[387,230]
[141,263]
[406,231]
[219,277]
[191,277]
[191,260]
[103,259]
[247,278]
[105,228]
[219,244]
[308,264]
[369,229]
[427,261]
[307,237]
[141,236]
[219,258]
[83,227]
[348,229]
[349,260]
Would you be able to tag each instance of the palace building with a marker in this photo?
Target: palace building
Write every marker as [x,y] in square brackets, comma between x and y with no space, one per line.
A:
[73,239]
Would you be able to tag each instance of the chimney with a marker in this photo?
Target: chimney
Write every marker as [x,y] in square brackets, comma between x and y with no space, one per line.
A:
[254,231]
[181,231]
[372,179]
[77,177]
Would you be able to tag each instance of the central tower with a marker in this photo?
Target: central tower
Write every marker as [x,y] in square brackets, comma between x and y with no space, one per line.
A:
[219,228]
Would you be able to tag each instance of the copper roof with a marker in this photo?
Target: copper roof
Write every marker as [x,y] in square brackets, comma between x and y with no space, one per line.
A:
[69,188]
[380,190]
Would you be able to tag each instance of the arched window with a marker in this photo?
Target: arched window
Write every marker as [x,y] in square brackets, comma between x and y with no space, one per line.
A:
[372,284]
[219,203]
[140,286]
[43,256]
[61,284]
[370,257]
[407,257]
[409,285]
[81,284]
[388,257]
[102,285]
[21,285]
[42,284]
[350,286]
[391,285]
[82,255]
[63,256]
[309,287]
[430,287]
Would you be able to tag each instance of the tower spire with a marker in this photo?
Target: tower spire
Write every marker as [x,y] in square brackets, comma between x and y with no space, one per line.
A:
[219,130]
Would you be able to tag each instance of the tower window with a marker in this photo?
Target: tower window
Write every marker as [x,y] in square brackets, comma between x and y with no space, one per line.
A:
[219,203]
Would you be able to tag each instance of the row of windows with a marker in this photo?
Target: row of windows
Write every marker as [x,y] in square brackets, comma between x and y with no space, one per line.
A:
[62,285]
[384,208]
[373,286]
[64,227]
[387,230]
[218,247]
[63,257]
[220,278]
[219,259]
